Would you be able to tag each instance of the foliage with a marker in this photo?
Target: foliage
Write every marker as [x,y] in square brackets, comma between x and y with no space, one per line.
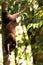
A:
[30,29]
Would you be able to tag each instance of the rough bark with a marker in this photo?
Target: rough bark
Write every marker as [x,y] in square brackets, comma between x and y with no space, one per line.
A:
[4,9]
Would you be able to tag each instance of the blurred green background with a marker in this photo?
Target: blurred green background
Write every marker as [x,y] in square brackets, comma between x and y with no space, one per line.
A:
[29,36]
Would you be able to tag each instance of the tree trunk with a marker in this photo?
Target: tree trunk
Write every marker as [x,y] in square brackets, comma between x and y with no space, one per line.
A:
[5,56]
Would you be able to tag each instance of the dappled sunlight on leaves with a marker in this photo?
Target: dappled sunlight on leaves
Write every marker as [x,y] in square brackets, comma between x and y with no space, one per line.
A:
[24,53]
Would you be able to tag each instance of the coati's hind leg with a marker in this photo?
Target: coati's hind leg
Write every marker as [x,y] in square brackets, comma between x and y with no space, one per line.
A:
[10,44]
